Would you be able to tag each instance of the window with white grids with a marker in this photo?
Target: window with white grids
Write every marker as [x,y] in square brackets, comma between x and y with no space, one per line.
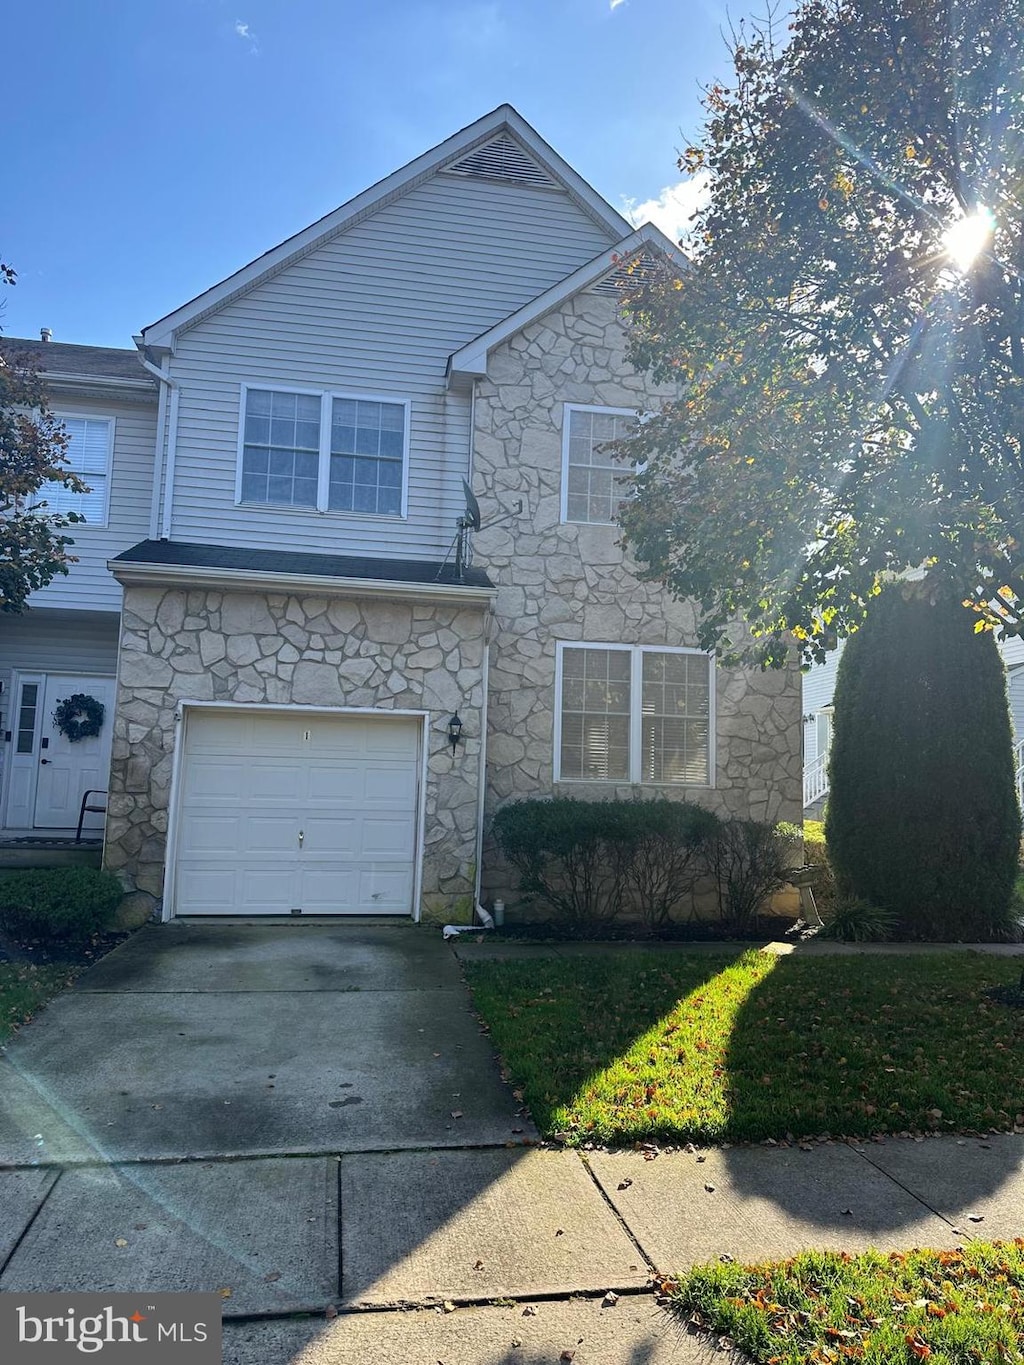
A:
[367,453]
[281,449]
[323,451]
[629,713]
[88,454]
[594,483]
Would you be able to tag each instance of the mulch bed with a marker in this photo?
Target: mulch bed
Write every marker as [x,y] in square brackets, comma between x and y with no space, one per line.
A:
[52,952]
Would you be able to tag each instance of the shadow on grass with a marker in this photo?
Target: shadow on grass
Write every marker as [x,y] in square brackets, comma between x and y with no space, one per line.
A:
[675,1048]
[879,1047]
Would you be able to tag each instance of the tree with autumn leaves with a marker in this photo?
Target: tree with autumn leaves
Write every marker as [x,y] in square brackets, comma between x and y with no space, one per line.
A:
[33,548]
[849,344]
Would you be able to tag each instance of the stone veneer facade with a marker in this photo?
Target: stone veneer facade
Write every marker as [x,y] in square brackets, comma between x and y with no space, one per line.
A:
[555,582]
[201,645]
[564,581]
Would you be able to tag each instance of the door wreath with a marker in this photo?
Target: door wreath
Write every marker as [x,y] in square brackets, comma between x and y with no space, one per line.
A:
[79,717]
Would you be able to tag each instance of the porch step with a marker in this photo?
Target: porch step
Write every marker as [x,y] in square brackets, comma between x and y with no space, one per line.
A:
[23,853]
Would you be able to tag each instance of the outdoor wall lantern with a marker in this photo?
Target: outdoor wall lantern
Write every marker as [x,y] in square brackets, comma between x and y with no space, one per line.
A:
[454,731]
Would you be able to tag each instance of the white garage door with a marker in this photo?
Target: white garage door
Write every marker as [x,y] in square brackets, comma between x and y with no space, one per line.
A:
[284,811]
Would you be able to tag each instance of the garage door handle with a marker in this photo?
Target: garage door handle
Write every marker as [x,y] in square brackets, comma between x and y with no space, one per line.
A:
[301,834]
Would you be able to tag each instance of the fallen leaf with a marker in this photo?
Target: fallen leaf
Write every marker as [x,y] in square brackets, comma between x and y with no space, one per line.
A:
[976,1217]
[456,1113]
[567,1355]
[274,1275]
[447,1306]
[710,1189]
[610,1299]
[478,1265]
[624,1184]
[846,1213]
[330,1312]
[224,1293]
[120,1241]
[516,1343]
[530,1311]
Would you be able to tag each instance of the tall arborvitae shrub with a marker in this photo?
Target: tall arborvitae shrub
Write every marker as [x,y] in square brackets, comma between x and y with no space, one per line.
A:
[922,812]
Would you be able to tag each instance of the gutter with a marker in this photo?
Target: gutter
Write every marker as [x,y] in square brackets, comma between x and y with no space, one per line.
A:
[183,575]
[171,413]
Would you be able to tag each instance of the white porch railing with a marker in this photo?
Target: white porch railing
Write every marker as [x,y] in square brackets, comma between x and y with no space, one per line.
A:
[815,780]
[1018,770]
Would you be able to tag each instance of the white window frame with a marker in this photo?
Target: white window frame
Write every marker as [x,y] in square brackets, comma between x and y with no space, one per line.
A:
[567,410]
[327,397]
[65,415]
[636,653]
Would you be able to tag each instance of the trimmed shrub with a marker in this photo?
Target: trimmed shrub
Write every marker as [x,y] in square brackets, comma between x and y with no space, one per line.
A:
[593,860]
[750,861]
[667,856]
[68,903]
[858,921]
[922,814]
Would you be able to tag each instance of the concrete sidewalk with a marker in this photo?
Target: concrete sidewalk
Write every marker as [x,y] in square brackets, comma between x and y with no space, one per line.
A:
[131,1162]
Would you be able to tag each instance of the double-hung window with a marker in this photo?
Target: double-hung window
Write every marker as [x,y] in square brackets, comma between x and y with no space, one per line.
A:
[323,451]
[631,713]
[88,454]
[594,482]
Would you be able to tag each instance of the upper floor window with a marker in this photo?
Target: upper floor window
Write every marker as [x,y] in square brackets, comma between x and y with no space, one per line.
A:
[328,452]
[594,483]
[88,454]
[629,713]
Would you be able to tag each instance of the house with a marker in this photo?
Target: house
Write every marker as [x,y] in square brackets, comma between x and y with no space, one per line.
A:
[819,685]
[327,681]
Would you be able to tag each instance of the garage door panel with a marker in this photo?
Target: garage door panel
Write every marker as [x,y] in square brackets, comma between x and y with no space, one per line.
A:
[251,782]
[384,834]
[386,889]
[210,833]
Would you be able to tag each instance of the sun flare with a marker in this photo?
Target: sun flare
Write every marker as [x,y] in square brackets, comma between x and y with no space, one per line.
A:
[967,238]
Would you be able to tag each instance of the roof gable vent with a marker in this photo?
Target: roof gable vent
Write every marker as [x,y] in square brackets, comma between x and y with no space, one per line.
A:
[628,275]
[504,160]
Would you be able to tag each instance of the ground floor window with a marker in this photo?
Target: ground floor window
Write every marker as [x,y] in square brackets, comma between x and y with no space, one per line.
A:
[634,713]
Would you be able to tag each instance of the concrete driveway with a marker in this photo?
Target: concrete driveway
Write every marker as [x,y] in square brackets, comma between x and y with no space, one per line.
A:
[220,1040]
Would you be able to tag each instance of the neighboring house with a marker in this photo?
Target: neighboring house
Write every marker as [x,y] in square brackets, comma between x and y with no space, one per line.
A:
[67,642]
[299,643]
[819,684]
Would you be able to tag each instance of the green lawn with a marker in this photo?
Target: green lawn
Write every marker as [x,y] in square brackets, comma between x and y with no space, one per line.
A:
[947,1307]
[23,989]
[710,1047]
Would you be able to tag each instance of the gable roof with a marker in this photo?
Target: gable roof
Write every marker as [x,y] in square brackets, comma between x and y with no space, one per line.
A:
[501,126]
[64,363]
[471,361]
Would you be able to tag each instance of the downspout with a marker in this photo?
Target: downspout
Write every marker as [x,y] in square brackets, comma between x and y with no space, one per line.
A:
[484,916]
[171,409]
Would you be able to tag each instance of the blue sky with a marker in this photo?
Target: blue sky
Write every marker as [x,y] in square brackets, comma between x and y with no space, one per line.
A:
[152,149]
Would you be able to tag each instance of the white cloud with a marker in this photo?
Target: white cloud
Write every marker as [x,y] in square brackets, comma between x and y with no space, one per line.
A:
[246,34]
[614,4]
[672,209]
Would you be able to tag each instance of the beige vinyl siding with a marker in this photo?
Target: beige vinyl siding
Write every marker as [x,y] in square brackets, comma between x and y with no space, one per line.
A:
[90,586]
[378,310]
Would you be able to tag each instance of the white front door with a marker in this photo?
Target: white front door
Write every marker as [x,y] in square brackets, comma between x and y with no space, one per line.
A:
[285,812]
[49,774]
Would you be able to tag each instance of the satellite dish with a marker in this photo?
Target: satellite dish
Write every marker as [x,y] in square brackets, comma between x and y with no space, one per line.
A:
[471,516]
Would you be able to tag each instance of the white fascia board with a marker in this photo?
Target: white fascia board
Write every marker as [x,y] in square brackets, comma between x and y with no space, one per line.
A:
[162,332]
[471,361]
[250,580]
